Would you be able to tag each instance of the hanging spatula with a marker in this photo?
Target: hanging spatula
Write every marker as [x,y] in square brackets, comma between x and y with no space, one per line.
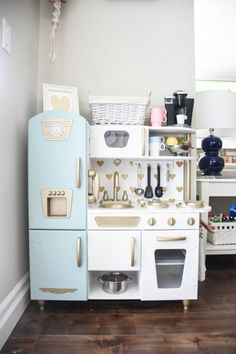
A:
[158,189]
[148,190]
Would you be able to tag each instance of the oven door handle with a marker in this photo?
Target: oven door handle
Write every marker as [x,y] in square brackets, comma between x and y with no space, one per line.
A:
[171,238]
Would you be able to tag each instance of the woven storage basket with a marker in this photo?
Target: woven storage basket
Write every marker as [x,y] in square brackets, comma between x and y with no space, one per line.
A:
[118,110]
[225,233]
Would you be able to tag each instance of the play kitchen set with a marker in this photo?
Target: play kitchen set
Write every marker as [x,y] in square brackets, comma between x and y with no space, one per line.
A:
[112,209]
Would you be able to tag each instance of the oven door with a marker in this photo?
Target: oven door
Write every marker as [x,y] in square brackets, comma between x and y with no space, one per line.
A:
[169,265]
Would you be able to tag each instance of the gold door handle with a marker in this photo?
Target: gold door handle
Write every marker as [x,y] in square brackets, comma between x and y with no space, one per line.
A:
[78,172]
[132,251]
[171,238]
[78,251]
[143,141]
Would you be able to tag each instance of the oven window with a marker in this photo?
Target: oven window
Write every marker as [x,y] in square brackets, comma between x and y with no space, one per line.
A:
[116,138]
[169,267]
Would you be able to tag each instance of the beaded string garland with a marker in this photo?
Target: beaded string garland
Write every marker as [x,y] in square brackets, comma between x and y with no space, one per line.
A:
[57,5]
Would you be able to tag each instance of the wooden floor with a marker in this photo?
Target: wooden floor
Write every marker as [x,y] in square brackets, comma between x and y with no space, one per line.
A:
[99,327]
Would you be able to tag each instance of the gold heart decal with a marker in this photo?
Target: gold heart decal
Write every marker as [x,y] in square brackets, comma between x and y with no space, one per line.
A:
[179,189]
[118,188]
[140,175]
[132,189]
[131,163]
[117,162]
[155,175]
[62,103]
[124,175]
[172,175]
[179,163]
[165,189]
[171,200]
[101,189]
[109,175]
[100,163]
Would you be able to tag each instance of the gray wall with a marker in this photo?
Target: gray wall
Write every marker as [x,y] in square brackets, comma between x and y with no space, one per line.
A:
[120,47]
[17,104]
[106,47]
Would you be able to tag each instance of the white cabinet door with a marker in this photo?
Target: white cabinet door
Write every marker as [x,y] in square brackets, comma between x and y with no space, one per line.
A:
[114,141]
[113,250]
[169,265]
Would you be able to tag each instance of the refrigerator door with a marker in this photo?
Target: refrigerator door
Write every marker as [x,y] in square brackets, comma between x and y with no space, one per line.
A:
[57,171]
[58,265]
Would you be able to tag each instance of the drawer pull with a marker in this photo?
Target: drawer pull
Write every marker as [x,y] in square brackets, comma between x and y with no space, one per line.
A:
[132,251]
[171,238]
[78,251]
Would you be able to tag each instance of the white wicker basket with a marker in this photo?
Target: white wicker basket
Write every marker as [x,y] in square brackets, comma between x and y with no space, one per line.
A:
[225,233]
[118,110]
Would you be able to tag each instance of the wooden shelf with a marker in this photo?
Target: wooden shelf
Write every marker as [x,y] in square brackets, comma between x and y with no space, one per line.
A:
[171,130]
[151,158]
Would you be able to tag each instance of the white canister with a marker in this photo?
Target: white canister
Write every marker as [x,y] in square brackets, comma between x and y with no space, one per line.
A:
[156,144]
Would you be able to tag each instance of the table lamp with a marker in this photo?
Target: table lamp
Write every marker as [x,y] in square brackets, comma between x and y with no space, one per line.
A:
[215,112]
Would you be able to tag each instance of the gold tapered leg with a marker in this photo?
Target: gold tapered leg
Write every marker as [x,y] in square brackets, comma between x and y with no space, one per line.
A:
[41,304]
[186,304]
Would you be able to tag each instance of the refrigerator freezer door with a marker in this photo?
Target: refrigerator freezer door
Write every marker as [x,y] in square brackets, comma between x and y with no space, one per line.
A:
[57,171]
[58,265]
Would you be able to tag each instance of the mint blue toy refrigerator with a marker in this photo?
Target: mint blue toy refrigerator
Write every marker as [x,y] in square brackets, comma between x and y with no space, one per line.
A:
[57,199]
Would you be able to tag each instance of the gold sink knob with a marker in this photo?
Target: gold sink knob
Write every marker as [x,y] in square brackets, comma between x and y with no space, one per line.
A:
[151,221]
[191,221]
[171,221]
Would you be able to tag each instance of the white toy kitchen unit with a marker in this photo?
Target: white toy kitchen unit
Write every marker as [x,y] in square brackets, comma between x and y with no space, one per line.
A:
[143,228]
[123,226]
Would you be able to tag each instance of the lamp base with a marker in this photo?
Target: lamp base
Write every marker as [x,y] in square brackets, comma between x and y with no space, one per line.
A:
[211,165]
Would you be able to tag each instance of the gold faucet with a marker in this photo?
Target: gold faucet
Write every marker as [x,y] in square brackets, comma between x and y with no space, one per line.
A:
[116,186]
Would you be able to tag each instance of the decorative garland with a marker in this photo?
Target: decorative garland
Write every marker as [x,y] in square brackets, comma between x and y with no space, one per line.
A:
[57,4]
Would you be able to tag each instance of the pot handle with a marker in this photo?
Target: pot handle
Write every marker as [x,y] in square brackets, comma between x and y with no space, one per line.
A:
[129,279]
[100,280]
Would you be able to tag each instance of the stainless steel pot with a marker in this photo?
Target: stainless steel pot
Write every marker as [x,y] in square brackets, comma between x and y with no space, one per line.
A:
[114,282]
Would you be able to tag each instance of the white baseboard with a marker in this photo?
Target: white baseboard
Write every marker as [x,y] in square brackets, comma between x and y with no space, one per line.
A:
[12,307]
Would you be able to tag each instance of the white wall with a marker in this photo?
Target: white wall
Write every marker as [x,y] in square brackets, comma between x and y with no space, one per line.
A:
[215,45]
[120,47]
[18,84]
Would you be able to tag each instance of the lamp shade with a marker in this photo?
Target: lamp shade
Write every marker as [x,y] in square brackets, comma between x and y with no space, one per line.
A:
[216,109]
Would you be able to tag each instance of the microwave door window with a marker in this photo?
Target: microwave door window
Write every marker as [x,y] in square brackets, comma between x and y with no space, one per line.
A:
[116,138]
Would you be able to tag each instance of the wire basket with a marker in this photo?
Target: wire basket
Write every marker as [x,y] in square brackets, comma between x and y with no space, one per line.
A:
[118,110]
[225,233]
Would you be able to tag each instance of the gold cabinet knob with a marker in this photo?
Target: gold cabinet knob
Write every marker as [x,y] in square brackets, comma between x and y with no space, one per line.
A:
[151,221]
[191,221]
[171,221]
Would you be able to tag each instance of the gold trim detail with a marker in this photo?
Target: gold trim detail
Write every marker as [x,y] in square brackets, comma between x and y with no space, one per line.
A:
[58,291]
[54,129]
[109,175]
[100,163]
[117,221]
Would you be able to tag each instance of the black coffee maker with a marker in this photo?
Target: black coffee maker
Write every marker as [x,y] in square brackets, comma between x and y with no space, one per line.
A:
[179,104]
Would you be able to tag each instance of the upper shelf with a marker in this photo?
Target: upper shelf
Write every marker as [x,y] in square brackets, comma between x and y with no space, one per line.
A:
[171,130]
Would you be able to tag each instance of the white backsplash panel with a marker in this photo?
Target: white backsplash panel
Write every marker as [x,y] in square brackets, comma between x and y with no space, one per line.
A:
[171,177]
